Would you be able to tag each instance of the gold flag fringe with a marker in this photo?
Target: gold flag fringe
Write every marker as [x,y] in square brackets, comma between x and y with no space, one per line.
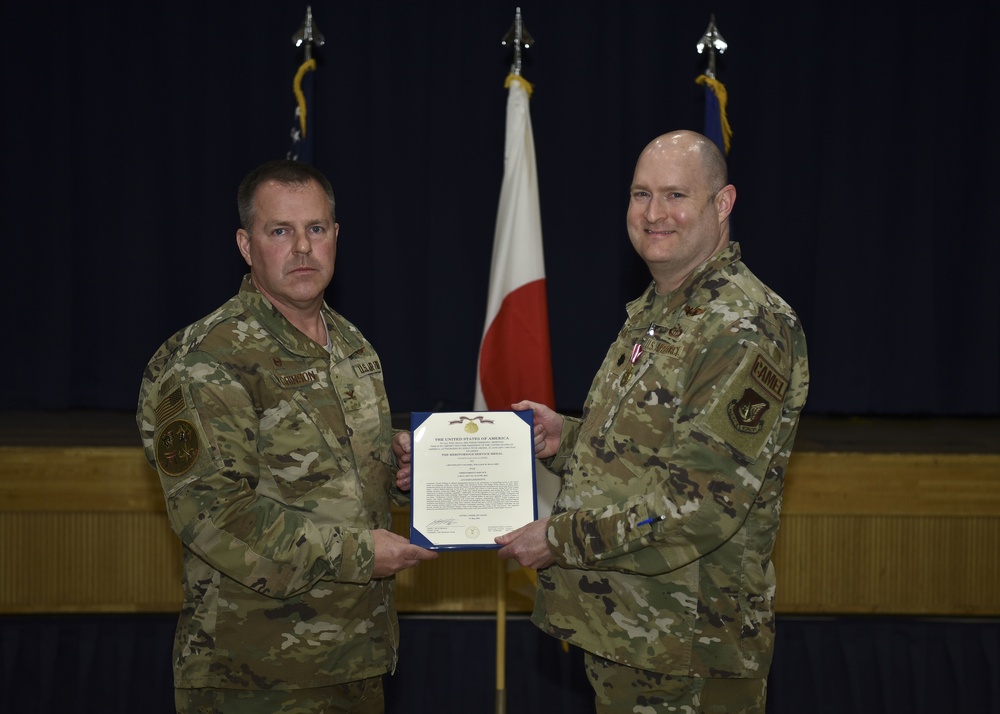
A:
[528,86]
[719,89]
[306,66]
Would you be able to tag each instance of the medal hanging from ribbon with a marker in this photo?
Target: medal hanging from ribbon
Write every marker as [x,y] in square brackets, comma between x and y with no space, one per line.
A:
[637,351]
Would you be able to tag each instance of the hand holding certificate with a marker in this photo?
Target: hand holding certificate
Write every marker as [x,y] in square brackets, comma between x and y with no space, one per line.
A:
[473,477]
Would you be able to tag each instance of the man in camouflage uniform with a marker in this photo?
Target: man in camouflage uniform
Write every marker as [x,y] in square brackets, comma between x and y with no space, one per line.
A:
[660,539]
[269,426]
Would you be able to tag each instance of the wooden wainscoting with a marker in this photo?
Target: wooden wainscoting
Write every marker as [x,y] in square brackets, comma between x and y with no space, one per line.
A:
[83,529]
[890,533]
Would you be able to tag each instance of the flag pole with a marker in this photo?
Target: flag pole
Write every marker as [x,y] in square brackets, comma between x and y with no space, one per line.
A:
[501,654]
[518,36]
[302,139]
[716,121]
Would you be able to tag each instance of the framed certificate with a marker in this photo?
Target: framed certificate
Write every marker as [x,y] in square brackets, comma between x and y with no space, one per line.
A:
[473,477]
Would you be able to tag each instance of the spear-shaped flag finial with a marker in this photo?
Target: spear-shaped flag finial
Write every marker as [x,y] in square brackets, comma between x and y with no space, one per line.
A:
[712,42]
[716,121]
[308,34]
[518,35]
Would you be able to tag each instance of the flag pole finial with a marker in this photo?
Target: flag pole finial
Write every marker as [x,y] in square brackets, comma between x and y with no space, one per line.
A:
[520,37]
[713,42]
[308,34]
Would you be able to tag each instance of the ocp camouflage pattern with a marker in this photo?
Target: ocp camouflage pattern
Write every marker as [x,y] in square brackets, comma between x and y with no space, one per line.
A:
[276,464]
[672,481]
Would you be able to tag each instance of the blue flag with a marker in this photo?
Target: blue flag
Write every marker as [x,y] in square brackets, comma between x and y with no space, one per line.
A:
[302,126]
[716,123]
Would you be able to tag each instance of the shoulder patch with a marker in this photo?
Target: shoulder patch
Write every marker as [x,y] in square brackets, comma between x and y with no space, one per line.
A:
[177,448]
[169,406]
[748,407]
[747,414]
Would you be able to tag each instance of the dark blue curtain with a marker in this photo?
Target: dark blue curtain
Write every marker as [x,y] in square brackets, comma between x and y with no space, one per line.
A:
[848,665]
[863,156]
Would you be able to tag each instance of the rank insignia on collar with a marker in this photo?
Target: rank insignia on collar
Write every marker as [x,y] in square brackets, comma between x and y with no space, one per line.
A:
[746,414]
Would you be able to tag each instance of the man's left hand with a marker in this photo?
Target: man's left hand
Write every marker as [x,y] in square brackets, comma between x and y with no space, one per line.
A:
[528,545]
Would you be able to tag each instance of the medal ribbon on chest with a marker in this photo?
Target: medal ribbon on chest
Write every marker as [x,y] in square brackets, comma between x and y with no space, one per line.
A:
[637,350]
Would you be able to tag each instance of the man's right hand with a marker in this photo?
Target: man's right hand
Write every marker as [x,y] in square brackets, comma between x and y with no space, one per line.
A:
[393,553]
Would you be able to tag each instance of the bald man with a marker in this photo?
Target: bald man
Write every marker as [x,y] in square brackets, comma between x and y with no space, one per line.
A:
[656,560]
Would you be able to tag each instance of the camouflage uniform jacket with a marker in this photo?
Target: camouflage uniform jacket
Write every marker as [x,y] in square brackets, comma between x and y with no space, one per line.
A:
[672,481]
[275,459]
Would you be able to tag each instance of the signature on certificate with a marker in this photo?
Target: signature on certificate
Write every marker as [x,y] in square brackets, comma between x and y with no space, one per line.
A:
[443,522]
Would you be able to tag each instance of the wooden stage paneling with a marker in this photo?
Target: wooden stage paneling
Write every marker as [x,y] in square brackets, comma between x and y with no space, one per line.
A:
[879,516]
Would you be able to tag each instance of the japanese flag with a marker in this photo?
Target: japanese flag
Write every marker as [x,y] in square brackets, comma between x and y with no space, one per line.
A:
[515,359]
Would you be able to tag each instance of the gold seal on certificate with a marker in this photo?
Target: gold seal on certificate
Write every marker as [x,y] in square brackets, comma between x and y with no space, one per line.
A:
[473,477]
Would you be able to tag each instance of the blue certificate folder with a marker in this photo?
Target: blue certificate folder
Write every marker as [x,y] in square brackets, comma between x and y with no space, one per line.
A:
[468,521]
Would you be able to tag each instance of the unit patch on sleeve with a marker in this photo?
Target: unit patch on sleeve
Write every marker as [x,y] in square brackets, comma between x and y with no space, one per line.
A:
[745,413]
[177,447]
